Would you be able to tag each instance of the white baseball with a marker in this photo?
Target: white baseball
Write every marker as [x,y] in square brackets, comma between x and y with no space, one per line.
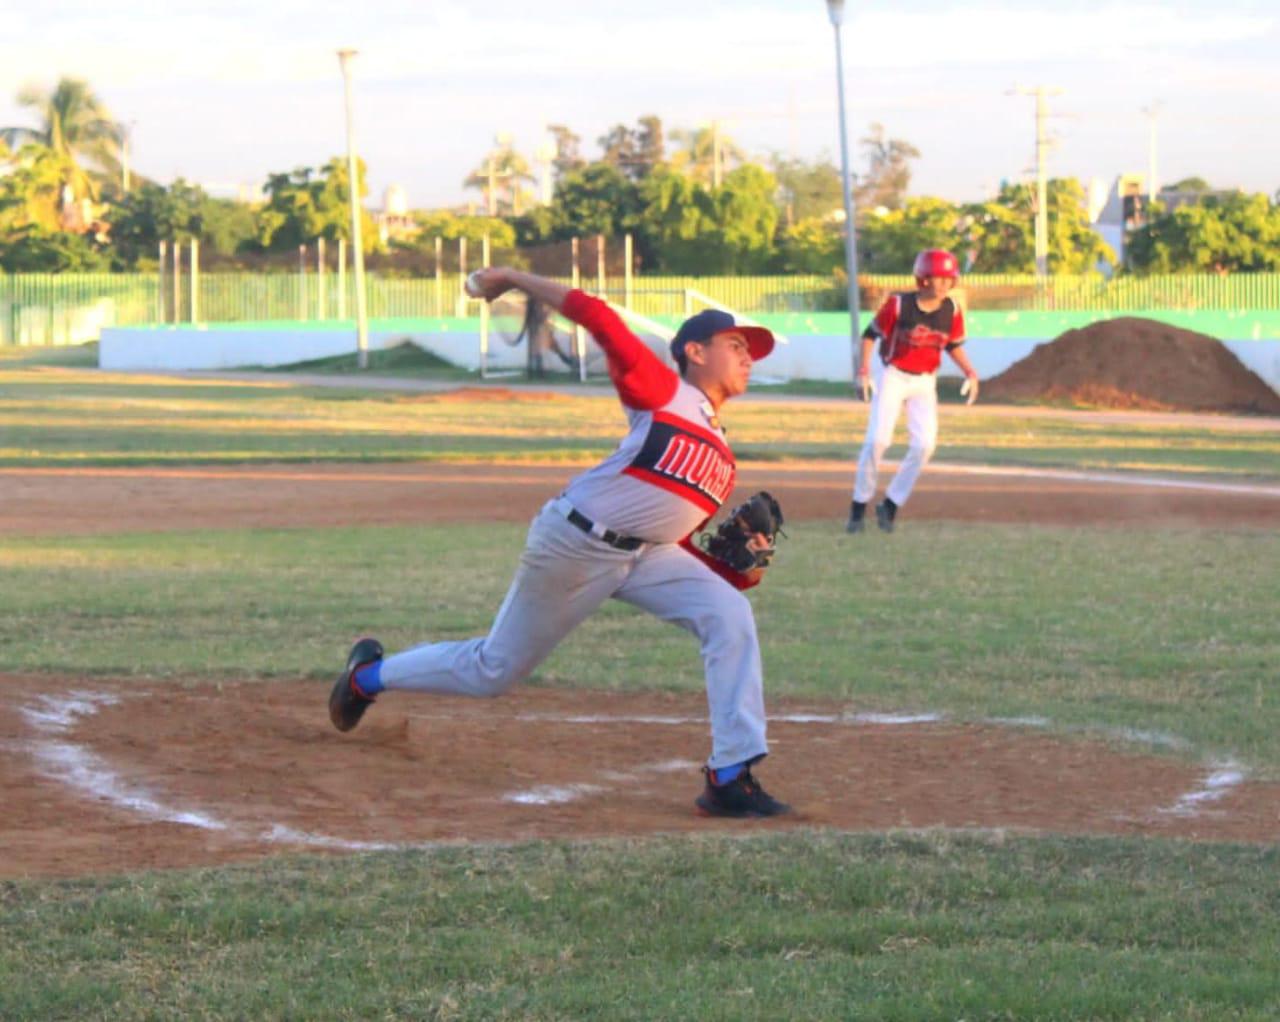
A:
[472,286]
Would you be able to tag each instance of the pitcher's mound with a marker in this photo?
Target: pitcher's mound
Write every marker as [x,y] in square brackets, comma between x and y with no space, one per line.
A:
[1136,363]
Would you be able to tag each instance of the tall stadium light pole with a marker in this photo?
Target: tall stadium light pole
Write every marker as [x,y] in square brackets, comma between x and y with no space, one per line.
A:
[835,10]
[357,247]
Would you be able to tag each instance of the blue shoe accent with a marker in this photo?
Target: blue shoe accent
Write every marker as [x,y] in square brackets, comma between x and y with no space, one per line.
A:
[726,775]
[368,679]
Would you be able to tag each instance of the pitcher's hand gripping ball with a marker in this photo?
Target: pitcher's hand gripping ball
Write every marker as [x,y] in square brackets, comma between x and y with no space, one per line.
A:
[736,542]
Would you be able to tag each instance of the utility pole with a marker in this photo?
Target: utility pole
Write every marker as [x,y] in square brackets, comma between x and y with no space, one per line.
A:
[1041,92]
[1153,186]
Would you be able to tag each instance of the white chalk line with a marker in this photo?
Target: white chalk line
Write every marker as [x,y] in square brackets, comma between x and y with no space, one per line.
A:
[1111,478]
[554,795]
[88,774]
[1217,785]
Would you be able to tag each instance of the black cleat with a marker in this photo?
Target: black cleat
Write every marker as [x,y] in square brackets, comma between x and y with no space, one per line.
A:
[741,797]
[346,702]
[857,518]
[885,513]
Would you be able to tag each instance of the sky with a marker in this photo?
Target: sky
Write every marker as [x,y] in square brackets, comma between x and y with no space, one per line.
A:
[224,93]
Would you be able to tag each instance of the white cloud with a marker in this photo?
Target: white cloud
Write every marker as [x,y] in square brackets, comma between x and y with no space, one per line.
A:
[225,91]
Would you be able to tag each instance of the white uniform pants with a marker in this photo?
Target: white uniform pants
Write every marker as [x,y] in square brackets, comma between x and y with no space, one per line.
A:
[894,389]
[564,575]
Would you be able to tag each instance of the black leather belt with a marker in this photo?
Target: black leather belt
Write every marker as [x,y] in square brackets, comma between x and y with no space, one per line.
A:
[615,540]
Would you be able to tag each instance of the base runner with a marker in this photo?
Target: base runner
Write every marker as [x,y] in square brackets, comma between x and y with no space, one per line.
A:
[912,330]
[623,530]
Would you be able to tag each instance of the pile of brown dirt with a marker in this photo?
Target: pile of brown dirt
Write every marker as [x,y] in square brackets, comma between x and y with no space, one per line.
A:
[1136,363]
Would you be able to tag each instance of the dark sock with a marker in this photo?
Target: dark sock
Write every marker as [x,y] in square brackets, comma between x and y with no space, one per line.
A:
[890,506]
[857,510]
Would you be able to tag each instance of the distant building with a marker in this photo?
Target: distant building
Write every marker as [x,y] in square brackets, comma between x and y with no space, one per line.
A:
[1123,207]
[393,219]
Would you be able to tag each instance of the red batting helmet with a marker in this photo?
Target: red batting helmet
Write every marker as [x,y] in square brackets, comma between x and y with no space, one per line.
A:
[935,262]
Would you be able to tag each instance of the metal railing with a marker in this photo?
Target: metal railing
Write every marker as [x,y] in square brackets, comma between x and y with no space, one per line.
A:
[71,308]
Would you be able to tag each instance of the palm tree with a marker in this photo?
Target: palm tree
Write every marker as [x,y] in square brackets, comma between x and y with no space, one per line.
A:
[704,153]
[502,168]
[32,192]
[76,125]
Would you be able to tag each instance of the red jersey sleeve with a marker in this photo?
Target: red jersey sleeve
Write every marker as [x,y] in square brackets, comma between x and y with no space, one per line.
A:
[734,578]
[642,381]
[885,320]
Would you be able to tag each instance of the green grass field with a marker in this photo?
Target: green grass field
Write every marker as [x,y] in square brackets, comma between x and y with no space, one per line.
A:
[57,415]
[1160,629]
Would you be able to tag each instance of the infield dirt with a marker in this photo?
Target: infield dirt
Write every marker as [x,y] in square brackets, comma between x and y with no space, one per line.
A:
[172,774]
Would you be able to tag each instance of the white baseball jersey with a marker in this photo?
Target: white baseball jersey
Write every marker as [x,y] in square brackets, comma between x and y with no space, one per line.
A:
[668,475]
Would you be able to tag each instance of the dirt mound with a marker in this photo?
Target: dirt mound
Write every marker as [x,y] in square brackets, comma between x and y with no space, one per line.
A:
[1136,363]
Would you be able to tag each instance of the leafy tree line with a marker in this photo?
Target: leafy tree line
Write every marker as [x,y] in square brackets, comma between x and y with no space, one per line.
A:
[692,200]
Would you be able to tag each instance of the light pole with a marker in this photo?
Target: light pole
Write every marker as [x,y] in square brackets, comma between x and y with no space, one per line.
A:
[1153,186]
[357,248]
[835,10]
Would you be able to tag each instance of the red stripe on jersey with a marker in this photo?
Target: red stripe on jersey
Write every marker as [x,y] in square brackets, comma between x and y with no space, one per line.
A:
[685,426]
[694,496]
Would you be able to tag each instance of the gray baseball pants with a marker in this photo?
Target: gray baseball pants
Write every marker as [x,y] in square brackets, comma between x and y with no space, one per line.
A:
[564,575]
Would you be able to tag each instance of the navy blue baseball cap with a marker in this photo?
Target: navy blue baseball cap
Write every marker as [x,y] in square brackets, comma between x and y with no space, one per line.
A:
[709,322]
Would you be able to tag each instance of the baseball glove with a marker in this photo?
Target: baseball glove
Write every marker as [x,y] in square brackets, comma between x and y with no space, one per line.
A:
[729,544]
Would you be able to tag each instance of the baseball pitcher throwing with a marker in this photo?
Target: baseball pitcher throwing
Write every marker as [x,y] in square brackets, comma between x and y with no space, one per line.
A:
[623,530]
[911,330]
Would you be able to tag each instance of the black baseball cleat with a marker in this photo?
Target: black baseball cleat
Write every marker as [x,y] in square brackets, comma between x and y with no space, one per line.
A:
[741,797]
[885,513]
[346,702]
[857,520]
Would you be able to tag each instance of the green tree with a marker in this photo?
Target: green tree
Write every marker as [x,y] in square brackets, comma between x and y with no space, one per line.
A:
[1074,246]
[568,150]
[807,190]
[598,199]
[687,228]
[35,249]
[31,193]
[888,173]
[888,240]
[812,245]
[302,207]
[75,124]
[152,213]
[501,177]
[635,151]
[704,153]
[1235,232]
[746,218]
[1188,184]
[449,226]
[675,221]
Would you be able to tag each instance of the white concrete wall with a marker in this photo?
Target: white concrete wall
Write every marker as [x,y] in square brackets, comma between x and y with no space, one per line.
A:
[810,357]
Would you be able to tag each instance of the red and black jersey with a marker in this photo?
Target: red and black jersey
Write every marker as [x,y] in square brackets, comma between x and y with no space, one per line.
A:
[910,338]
